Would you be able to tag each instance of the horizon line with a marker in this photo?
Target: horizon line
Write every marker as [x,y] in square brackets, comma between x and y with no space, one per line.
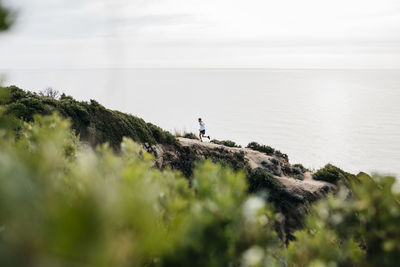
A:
[191,68]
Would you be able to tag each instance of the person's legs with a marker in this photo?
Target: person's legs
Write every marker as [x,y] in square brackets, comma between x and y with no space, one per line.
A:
[202,134]
[205,136]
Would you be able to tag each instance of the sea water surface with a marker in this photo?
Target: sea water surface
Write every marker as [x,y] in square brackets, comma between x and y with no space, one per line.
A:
[350,118]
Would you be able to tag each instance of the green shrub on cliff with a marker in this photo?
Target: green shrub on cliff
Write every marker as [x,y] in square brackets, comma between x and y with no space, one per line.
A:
[261,148]
[300,167]
[333,174]
[190,136]
[91,121]
[228,143]
[260,180]
[266,150]
[281,155]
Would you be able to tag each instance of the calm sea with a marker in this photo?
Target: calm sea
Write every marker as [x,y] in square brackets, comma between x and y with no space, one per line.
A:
[350,118]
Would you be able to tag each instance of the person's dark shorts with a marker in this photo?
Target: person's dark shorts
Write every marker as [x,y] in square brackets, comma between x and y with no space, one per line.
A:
[203,131]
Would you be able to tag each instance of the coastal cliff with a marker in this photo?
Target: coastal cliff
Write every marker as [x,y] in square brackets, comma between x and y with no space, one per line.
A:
[79,179]
[290,188]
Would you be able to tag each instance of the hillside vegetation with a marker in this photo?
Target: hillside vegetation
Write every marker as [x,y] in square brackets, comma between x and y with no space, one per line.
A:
[90,120]
[63,203]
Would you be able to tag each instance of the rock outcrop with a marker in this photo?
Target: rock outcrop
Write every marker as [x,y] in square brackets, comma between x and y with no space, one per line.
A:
[289,188]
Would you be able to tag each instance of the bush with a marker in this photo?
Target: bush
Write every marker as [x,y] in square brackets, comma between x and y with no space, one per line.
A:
[267,150]
[333,174]
[91,121]
[260,180]
[161,136]
[281,155]
[190,136]
[261,148]
[236,160]
[19,110]
[296,170]
[301,167]
[228,143]
[26,108]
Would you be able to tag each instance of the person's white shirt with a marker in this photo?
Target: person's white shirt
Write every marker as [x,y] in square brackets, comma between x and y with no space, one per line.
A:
[202,126]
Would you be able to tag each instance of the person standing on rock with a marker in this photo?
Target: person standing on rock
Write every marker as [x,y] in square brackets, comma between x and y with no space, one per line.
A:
[202,130]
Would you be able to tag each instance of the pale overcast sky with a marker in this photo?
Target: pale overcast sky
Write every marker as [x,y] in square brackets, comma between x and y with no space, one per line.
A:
[203,33]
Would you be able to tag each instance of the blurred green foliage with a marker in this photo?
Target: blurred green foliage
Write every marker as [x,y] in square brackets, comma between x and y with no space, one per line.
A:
[6,18]
[356,230]
[63,204]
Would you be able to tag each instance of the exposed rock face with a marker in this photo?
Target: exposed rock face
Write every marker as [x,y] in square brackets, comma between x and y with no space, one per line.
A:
[292,191]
